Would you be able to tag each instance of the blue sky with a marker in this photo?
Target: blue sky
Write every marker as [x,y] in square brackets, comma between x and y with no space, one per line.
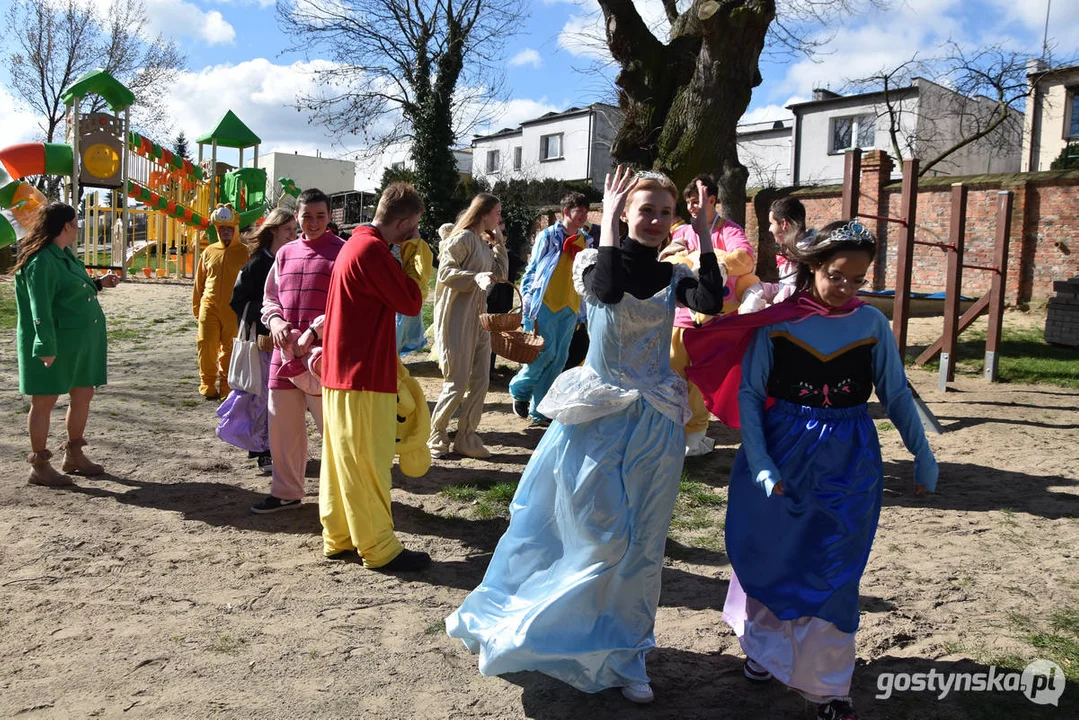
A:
[236,60]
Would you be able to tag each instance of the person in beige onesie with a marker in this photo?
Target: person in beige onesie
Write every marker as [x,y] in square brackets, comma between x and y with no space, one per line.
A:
[471,259]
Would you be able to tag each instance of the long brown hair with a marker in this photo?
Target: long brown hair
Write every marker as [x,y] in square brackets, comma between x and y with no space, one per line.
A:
[49,223]
[261,237]
[480,206]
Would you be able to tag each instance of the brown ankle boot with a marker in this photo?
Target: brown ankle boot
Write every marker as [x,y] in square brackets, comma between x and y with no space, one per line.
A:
[43,473]
[76,461]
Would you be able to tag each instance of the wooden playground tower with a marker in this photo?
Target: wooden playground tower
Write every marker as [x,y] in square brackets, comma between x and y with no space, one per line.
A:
[993,302]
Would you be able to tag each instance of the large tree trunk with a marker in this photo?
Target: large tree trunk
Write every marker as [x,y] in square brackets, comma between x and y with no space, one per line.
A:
[682,100]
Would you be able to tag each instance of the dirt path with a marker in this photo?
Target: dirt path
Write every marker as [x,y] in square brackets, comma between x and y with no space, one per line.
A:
[151,592]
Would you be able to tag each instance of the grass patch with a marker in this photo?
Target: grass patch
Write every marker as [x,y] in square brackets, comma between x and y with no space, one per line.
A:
[488,500]
[428,313]
[435,628]
[227,644]
[1024,357]
[884,426]
[695,506]
[461,493]
[125,332]
[8,313]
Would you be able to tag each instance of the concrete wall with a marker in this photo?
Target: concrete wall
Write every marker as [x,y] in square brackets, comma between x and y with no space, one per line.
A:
[326,174]
[945,117]
[1045,129]
[767,157]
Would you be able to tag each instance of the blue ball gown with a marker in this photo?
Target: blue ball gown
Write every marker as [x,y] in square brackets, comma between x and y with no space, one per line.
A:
[573,586]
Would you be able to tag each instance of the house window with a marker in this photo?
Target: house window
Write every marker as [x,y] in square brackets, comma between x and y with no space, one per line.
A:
[855,131]
[494,161]
[1072,120]
[517,158]
[398,166]
[551,147]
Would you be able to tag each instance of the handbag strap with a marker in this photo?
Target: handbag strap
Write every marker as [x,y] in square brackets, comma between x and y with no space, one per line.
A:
[244,332]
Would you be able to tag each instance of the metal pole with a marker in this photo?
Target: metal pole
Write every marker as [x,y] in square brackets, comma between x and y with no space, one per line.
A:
[954,286]
[999,284]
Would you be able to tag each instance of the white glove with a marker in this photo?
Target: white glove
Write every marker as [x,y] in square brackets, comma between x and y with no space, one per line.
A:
[485,280]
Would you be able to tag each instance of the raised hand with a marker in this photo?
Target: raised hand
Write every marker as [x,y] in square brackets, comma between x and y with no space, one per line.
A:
[616,191]
[700,223]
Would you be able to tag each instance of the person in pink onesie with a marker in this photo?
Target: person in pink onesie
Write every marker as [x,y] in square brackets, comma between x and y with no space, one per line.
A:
[295,301]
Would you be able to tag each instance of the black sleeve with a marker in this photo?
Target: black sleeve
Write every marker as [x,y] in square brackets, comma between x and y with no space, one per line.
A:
[703,293]
[98,284]
[604,279]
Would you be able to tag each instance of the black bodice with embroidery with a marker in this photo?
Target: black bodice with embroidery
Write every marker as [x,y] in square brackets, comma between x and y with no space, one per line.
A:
[803,376]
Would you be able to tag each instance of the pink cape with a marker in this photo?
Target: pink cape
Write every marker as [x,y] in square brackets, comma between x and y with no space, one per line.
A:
[716,350]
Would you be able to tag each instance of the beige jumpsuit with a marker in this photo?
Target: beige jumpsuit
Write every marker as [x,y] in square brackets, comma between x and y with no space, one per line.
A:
[464,347]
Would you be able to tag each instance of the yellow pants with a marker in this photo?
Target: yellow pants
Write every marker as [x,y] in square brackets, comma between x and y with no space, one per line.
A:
[217,329]
[358,438]
[679,363]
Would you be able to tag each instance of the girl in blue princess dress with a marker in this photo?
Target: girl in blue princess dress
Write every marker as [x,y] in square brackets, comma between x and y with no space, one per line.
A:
[807,483]
[573,585]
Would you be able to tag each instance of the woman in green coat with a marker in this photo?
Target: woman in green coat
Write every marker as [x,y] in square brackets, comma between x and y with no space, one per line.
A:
[61,339]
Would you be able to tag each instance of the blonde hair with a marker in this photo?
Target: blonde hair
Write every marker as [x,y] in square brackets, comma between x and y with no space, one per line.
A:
[650,180]
[470,217]
[399,201]
[261,237]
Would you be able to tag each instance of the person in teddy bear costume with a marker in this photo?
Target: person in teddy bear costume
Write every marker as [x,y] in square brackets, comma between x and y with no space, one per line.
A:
[215,277]
[734,251]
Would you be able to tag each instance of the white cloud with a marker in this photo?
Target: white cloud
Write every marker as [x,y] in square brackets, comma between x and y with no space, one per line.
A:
[528,56]
[19,122]
[179,19]
[263,95]
[768,113]
[512,113]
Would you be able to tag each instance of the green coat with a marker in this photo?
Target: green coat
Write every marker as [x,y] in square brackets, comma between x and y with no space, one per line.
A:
[59,315]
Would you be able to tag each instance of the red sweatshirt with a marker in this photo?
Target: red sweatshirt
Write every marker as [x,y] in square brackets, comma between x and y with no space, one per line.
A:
[367,290]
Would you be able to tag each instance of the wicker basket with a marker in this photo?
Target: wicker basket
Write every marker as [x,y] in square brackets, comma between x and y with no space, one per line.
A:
[495,322]
[516,345]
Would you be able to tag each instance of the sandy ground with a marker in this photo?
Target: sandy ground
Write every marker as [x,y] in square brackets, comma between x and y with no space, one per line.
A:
[152,592]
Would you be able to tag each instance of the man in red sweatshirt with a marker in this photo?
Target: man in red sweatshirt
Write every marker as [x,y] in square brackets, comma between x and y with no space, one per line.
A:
[359,387]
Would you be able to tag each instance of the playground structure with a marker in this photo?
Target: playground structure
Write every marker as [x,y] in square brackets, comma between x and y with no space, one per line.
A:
[174,196]
[954,324]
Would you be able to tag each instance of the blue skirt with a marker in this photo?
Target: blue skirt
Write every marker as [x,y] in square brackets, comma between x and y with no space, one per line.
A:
[573,585]
[802,554]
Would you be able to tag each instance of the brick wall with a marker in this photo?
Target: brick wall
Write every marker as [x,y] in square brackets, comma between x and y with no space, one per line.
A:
[1044,243]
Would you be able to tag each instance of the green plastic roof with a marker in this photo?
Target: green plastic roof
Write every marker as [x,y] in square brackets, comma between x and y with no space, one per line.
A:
[116,94]
[231,132]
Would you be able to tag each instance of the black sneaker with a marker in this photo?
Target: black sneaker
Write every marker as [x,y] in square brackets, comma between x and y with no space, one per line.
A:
[836,710]
[406,561]
[345,556]
[520,408]
[755,672]
[270,504]
[265,464]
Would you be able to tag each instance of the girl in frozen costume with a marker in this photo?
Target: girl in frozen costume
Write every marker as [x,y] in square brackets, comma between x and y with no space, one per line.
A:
[806,486]
[573,585]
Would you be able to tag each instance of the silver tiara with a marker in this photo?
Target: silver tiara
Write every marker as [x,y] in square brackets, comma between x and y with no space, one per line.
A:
[650,175]
[853,232]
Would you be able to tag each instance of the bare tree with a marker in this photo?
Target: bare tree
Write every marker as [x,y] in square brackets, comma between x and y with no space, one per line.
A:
[682,99]
[57,42]
[980,98]
[417,71]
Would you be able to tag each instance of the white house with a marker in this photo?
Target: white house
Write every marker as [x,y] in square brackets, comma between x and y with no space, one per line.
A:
[1052,118]
[765,149]
[369,170]
[327,174]
[929,118]
[571,145]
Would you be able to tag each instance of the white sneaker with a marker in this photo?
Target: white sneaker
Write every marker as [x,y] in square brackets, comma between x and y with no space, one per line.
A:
[699,444]
[640,693]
